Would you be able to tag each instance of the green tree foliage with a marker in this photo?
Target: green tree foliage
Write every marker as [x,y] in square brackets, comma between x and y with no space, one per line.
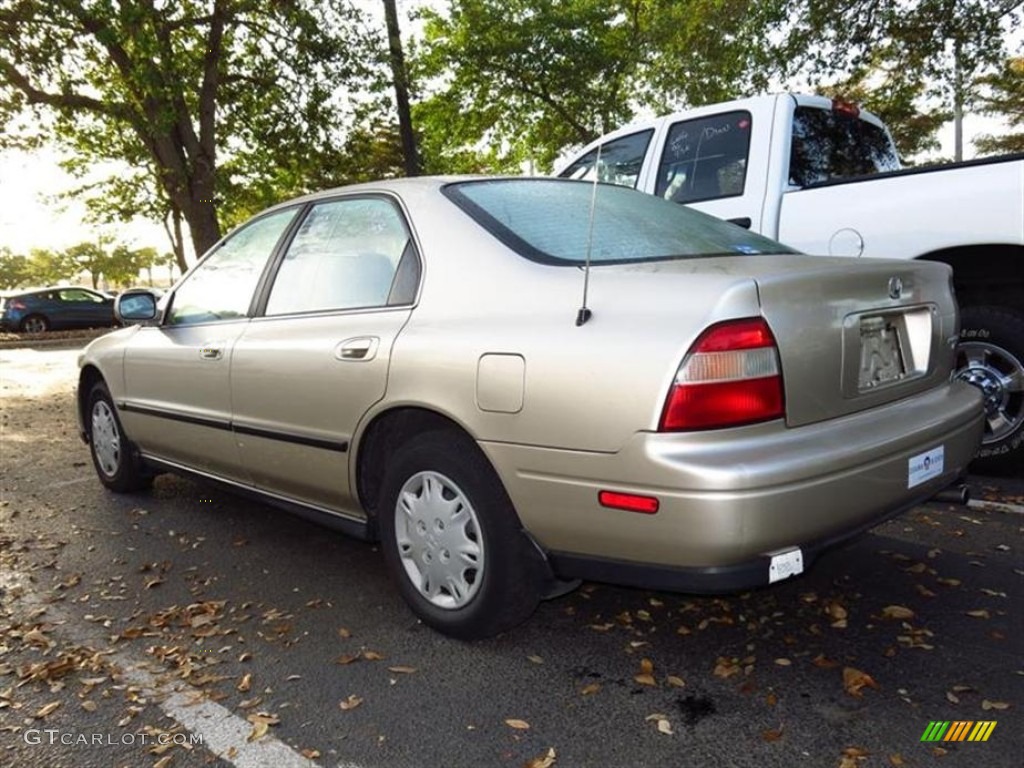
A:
[947,44]
[221,100]
[1002,95]
[898,96]
[15,269]
[525,78]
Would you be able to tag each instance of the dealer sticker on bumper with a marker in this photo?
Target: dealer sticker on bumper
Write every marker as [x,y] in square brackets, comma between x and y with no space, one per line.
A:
[925,466]
[785,564]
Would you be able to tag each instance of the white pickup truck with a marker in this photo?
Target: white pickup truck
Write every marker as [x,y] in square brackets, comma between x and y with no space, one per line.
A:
[825,178]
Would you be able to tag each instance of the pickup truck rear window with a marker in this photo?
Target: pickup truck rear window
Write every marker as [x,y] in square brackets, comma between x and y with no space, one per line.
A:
[549,220]
[829,145]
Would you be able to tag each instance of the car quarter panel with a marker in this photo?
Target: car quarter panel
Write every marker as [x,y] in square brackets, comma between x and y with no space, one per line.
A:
[586,388]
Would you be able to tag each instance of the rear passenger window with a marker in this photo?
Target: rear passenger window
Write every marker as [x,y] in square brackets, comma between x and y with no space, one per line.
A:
[346,255]
[705,158]
[620,161]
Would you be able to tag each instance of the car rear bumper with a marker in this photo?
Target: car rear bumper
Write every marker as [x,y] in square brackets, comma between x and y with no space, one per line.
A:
[728,498]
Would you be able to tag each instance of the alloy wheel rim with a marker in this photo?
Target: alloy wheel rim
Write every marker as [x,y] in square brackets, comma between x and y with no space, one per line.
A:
[1000,377]
[439,540]
[105,439]
[35,325]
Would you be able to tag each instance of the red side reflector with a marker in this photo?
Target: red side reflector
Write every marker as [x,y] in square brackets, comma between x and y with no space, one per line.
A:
[630,502]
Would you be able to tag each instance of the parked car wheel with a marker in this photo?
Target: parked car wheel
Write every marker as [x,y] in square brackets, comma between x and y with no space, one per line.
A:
[35,324]
[991,356]
[453,541]
[114,457]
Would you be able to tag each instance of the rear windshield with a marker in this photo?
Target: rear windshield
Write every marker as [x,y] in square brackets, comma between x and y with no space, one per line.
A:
[548,220]
[828,145]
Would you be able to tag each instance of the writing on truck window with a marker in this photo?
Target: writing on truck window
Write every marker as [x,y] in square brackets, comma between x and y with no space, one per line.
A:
[705,158]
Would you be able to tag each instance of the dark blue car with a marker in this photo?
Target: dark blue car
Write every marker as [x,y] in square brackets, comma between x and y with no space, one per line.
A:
[48,309]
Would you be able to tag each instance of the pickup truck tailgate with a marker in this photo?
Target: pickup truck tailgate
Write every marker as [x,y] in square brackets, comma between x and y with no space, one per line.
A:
[851,339]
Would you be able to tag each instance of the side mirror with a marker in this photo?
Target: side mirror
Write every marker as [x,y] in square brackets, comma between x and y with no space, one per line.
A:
[135,306]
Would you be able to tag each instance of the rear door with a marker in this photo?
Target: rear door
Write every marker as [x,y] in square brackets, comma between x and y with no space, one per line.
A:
[306,370]
[177,403]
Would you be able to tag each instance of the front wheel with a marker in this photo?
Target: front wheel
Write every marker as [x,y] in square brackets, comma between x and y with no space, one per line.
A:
[452,539]
[990,356]
[113,456]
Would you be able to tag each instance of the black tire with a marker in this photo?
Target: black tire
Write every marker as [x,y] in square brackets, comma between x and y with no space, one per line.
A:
[35,324]
[991,356]
[500,585]
[116,461]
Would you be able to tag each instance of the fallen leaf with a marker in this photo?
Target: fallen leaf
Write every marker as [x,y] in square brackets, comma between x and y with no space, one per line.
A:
[590,689]
[372,656]
[726,667]
[661,723]
[246,656]
[347,658]
[981,613]
[89,706]
[897,612]
[646,680]
[544,761]
[344,633]
[402,670]
[986,704]
[897,760]
[771,699]
[259,730]
[923,590]
[310,754]
[261,721]
[646,667]
[675,681]
[154,582]
[771,735]
[952,698]
[245,683]
[822,661]
[164,762]
[784,662]
[536,659]
[519,725]
[854,681]
[350,703]
[49,708]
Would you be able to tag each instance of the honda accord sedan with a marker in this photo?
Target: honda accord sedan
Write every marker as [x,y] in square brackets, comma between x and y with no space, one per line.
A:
[517,383]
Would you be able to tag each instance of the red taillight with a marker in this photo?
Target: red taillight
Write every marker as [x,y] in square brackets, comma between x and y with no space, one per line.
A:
[847,108]
[730,376]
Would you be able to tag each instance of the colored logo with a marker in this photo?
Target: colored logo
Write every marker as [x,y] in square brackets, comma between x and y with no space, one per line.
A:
[958,730]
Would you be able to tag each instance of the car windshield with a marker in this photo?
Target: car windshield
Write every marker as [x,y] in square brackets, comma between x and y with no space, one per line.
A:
[549,220]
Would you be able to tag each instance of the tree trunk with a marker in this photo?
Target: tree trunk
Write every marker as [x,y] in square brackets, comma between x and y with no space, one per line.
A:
[400,79]
[174,234]
[958,104]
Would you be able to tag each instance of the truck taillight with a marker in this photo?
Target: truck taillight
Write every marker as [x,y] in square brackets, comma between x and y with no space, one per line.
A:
[730,376]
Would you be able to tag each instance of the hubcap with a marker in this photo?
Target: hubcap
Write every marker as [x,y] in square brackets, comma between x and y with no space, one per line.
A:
[35,325]
[105,439]
[1000,377]
[439,540]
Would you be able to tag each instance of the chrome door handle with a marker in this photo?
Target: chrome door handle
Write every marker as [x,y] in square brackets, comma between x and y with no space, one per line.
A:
[359,349]
[211,353]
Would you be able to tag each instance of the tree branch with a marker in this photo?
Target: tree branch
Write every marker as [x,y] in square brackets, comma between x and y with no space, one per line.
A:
[59,100]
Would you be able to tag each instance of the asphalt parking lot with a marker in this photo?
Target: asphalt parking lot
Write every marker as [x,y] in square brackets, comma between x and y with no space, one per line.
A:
[188,627]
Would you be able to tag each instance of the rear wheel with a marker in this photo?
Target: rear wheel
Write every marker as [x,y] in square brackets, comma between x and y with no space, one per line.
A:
[452,539]
[114,457]
[35,324]
[991,357]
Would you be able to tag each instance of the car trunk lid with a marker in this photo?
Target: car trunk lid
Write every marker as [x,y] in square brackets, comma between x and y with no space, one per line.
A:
[855,335]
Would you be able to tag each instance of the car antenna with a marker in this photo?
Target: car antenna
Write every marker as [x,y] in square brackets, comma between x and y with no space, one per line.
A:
[584,313]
